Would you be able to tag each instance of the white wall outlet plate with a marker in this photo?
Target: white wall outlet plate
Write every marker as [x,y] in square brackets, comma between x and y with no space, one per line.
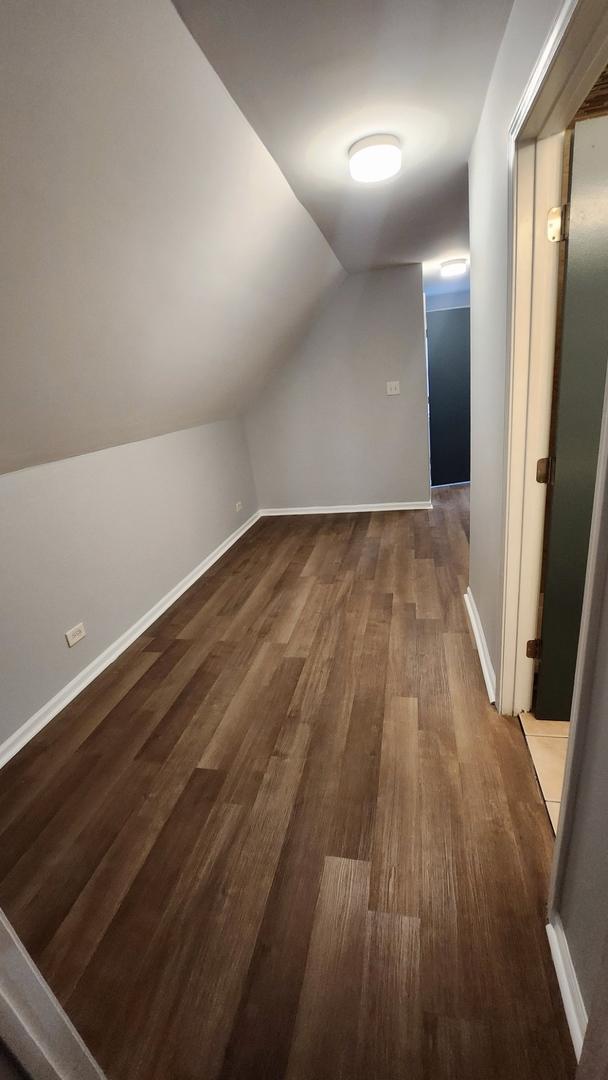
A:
[75,635]
[393,388]
[238,506]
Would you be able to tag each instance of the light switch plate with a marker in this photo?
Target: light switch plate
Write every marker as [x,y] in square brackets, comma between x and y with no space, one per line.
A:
[393,388]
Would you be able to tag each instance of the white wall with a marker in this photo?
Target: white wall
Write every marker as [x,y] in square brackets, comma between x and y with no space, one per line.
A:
[528,26]
[155,261]
[323,432]
[101,538]
[155,265]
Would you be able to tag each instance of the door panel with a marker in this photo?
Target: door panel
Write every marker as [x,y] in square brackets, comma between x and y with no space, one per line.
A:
[449,348]
[580,390]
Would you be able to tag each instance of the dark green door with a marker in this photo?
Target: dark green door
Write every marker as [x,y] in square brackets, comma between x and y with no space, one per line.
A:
[582,375]
[449,352]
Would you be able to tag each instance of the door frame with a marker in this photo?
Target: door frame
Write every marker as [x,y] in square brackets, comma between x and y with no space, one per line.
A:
[575,54]
[537,170]
[33,1026]
[443,311]
[573,57]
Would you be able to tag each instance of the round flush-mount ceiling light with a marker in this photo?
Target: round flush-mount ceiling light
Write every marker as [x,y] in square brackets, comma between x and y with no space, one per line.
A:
[374,158]
[453,268]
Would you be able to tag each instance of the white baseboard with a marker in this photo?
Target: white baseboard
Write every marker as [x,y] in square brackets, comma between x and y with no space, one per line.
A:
[358,508]
[43,716]
[574,1006]
[482,645]
[47,712]
[455,483]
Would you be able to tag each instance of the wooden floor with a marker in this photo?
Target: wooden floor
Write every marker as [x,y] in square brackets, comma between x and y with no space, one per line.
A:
[285,834]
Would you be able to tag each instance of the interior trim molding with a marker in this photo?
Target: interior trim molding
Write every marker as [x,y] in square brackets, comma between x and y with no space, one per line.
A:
[455,483]
[33,1024]
[357,508]
[47,712]
[574,1006]
[542,68]
[482,645]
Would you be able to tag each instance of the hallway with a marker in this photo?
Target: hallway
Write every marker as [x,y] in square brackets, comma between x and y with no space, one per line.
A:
[285,834]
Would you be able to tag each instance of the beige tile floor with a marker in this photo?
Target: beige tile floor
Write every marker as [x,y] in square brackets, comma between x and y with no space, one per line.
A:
[548,744]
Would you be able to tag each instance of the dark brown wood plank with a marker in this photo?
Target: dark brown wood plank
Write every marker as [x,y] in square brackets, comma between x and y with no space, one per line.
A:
[265,719]
[35,768]
[148,908]
[271,993]
[395,868]
[325,1037]
[285,834]
[389,1039]
[209,988]
[357,794]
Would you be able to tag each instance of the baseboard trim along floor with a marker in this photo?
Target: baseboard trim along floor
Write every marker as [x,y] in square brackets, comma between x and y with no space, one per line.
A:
[482,645]
[47,712]
[454,483]
[356,508]
[574,1007]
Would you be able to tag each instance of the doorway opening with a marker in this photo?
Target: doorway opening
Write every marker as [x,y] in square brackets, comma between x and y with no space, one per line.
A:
[449,379]
[579,228]
[557,423]
[576,414]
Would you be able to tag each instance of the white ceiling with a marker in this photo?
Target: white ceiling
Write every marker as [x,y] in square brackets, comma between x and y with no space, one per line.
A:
[312,76]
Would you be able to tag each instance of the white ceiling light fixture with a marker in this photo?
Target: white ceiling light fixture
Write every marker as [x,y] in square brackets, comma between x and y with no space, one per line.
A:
[374,158]
[453,268]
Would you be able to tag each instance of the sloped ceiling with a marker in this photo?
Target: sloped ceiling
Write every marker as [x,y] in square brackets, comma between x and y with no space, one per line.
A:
[156,262]
[313,76]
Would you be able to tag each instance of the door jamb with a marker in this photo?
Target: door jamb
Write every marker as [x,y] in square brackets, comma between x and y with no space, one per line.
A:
[574,55]
[537,174]
[33,1025]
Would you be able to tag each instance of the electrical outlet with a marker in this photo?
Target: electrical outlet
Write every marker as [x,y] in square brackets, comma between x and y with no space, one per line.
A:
[393,388]
[75,635]
[239,506]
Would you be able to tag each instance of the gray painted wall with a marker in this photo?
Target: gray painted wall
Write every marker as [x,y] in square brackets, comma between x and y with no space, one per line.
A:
[101,538]
[323,432]
[528,26]
[582,904]
[448,301]
[155,261]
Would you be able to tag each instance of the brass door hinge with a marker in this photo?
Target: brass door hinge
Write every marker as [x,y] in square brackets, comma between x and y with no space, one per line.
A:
[533,649]
[544,470]
[557,224]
